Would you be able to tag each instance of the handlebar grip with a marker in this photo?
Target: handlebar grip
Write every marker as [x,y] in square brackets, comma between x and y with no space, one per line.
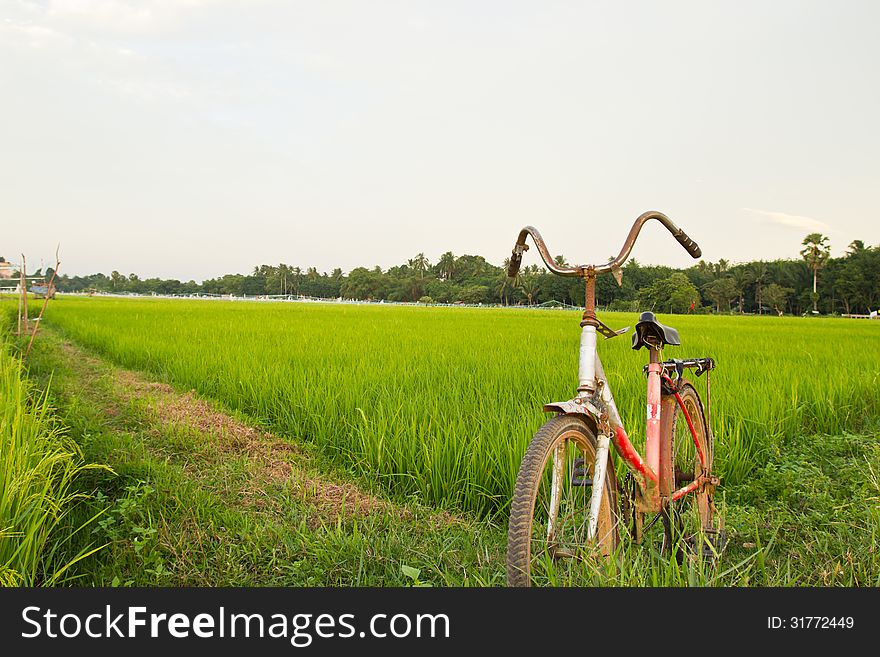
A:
[689,245]
[515,262]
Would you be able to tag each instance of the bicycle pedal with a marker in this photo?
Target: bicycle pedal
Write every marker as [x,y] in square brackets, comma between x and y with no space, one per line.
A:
[712,543]
[717,538]
[579,473]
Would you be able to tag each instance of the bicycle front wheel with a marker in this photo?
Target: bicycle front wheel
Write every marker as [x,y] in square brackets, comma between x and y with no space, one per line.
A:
[547,540]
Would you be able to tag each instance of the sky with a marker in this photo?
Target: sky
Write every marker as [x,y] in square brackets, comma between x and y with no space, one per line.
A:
[192,138]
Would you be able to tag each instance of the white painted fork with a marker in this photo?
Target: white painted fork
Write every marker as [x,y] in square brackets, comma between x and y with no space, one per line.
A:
[599,471]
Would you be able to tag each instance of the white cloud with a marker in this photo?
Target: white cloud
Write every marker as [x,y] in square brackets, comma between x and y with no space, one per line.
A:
[150,91]
[791,220]
[31,36]
[123,15]
[89,62]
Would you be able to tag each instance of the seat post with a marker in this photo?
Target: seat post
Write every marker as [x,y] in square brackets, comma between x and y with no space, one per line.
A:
[652,428]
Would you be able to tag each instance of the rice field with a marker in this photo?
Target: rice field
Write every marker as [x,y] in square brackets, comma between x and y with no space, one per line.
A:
[440,403]
[37,473]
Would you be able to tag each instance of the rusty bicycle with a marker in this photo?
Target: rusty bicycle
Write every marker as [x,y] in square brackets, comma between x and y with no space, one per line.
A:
[568,503]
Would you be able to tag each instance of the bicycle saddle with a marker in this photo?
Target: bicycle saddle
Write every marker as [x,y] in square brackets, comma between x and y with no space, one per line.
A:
[650,330]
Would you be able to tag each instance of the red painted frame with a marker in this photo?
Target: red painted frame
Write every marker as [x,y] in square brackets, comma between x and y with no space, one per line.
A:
[650,469]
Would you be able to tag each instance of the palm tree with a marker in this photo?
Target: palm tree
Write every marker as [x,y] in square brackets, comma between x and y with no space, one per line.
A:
[742,277]
[501,288]
[446,266]
[856,247]
[815,252]
[283,273]
[296,273]
[758,272]
[528,285]
[419,263]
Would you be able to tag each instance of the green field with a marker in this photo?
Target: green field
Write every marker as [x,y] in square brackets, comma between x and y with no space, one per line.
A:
[39,469]
[425,414]
[441,402]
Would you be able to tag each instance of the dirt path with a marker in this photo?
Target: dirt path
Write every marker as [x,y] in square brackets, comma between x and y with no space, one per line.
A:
[271,459]
[201,496]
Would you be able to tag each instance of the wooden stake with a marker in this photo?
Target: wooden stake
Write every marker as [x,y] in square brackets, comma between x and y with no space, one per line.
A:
[45,303]
[22,292]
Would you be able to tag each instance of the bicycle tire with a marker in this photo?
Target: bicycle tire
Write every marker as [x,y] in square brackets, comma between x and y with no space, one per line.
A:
[687,521]
[532,556]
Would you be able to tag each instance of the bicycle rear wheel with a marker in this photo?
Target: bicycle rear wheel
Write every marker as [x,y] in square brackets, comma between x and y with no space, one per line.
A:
[547,537]
[689,522]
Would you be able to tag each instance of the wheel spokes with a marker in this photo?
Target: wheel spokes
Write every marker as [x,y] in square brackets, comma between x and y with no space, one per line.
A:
[561,520]
[556,485]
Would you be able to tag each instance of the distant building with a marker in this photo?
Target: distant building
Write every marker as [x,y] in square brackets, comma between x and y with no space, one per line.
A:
[7,269]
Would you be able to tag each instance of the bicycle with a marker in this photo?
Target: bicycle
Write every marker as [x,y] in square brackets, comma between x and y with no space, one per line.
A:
[565,504]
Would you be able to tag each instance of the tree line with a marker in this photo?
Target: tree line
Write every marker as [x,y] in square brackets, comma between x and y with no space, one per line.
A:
[817,282]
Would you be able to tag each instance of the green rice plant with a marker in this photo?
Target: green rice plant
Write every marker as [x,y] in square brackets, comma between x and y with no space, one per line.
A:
[440,403]
[37,474]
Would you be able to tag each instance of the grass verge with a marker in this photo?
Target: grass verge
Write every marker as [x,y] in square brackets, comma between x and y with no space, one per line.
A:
[200,497]
[38,468]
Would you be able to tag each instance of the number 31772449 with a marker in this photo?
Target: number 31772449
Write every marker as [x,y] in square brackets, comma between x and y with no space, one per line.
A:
[810,623]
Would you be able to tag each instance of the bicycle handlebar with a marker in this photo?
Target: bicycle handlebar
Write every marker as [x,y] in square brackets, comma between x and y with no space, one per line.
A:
[689,245]
[516,258]
[520,246]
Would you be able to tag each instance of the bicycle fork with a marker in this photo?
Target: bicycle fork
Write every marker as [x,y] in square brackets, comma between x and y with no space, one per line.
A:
[587,362]
[599,473]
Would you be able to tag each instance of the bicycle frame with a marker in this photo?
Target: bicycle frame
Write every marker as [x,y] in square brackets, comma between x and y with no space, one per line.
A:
[595,402]
[606,418]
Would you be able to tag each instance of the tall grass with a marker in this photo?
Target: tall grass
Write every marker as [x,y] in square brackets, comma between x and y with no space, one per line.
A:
[37,472]
[441,402]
